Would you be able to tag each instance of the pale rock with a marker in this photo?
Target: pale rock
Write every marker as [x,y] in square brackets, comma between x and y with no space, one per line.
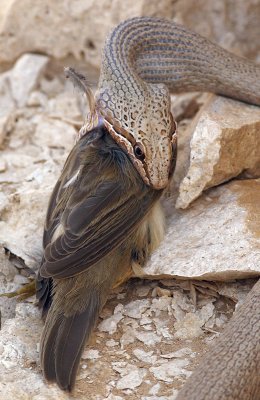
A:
[21,227]
[51,87]
[144,356]
[162,329]
[78,29]
[65,107]
[7,305]
[148,338]
[189,327]
[160,304]
[181,305]
[206,312]
[128,336]
[37,99]
[119,308]
[7,104]
[25,75]
[111,343]
[225,144]
[171,370]
[90,354]
[217,238]
[161,292]
[2,166]
[147,327]
[5,124]
[121,366]
[155,389]
[18,346]
[54,132]
[132,379]
[110,324]
[225,23]
[136,308]
[21,280]
[7,268]
[185,351]
[145,320]
[173,397]
[113,397]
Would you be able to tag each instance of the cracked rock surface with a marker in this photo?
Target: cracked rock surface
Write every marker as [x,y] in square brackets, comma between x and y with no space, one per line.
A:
[154,330]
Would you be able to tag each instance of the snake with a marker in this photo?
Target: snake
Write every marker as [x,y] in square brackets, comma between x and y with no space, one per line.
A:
[144,59]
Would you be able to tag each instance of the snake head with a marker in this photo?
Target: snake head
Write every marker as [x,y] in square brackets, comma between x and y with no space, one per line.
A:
[144,127]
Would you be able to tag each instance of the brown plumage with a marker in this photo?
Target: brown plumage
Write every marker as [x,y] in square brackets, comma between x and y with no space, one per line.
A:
[100,220]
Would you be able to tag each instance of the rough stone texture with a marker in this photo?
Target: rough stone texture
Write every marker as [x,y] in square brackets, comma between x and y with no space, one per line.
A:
[25,75]
[225,143]
[216,238]
[151,333]
[109,370]
[79,28]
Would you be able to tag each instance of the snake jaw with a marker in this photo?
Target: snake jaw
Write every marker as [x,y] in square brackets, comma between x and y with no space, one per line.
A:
[128,147]
[157,168]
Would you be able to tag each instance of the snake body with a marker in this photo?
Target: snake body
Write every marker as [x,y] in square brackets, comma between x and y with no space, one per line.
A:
[143,59]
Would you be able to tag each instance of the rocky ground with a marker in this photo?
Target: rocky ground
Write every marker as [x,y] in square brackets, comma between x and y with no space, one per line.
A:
[154,330]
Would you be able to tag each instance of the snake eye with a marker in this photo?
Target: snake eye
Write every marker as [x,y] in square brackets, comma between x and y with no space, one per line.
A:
[138,151]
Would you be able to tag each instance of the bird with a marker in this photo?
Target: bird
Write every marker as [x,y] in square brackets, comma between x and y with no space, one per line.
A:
[102,220]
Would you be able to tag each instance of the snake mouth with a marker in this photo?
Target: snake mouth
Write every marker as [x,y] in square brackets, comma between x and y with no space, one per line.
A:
[154,180]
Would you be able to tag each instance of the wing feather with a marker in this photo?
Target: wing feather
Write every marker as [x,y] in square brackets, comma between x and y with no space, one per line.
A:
[98,213]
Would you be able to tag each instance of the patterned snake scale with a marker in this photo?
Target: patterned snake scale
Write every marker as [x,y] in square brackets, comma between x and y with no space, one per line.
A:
[143,59]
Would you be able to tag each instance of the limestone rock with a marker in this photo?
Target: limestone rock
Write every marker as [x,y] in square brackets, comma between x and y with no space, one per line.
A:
[19,355]
[52,132]
[216,238]
[6,100]
[225,144]
[106,371]
[25,75]
[77,28]
[22,214]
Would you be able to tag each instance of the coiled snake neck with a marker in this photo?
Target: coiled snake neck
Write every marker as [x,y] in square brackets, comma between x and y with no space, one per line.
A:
[143,59]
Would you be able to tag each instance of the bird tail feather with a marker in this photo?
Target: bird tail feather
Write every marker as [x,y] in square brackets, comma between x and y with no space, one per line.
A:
[63,341]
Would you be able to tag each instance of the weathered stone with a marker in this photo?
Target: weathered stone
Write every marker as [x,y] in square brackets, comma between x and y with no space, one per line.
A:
[73,28]
[217,238]
[225,144]
[144,356]
[110,324]
[52,132]
[171,370]
[80,28]
[132,379]
[25,75]
[18,357]
[22,220]
[6,100]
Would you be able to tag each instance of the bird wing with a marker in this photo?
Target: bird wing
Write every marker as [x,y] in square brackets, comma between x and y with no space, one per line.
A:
[94,222]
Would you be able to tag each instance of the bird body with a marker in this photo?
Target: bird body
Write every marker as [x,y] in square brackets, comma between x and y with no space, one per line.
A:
[107,213]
